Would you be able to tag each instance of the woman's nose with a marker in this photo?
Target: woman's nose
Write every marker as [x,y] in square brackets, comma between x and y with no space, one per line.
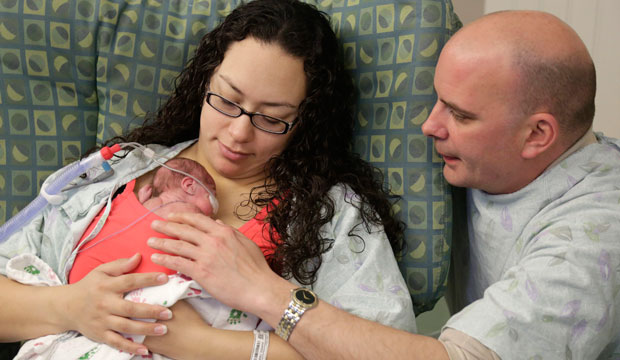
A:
[241,128]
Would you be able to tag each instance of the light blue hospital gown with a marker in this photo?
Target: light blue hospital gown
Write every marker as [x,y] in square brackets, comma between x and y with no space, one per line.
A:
[544,262]
[360,277]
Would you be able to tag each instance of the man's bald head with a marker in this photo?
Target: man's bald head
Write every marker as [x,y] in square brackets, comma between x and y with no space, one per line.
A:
[553,70]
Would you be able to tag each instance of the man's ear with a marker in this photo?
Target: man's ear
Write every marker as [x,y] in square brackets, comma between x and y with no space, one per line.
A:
[542,133]
[188,185]
[145,193]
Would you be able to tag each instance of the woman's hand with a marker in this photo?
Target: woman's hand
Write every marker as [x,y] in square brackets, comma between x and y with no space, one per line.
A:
[228,265]
[95,306]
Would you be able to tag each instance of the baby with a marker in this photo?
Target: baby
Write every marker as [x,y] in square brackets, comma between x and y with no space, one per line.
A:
[172,191]
[127,225]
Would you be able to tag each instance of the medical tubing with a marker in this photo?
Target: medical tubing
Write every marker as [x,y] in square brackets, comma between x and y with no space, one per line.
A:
[50,190]
[88,245]
[63,179]
[152,155]
[22,217]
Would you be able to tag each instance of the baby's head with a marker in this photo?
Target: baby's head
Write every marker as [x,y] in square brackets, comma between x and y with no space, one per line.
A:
[189,189]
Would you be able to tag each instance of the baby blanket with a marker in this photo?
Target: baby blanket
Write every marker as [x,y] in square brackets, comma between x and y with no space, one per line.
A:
[29,269]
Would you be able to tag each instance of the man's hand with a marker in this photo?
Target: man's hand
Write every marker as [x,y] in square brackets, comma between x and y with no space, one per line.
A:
[228,265]
[187,332]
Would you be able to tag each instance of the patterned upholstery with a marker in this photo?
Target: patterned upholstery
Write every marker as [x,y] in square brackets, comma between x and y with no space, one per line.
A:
[76,72]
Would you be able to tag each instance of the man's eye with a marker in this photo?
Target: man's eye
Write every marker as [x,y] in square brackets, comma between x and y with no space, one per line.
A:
[457,116]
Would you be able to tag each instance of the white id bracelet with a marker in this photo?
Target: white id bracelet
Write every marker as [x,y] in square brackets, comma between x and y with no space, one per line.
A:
[261,344]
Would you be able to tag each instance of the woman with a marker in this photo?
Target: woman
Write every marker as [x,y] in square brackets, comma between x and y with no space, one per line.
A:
[269,99]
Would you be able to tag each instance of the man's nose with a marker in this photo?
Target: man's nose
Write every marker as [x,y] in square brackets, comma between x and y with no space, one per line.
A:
[434,126]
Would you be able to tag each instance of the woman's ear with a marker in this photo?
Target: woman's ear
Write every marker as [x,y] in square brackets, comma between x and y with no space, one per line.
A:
[188,185]
[542,133]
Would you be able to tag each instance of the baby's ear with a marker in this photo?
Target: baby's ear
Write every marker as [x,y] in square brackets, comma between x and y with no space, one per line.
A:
[145,193]
[188,185]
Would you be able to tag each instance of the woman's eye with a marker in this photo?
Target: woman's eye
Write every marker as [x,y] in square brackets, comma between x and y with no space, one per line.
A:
[227,104]
[270,120]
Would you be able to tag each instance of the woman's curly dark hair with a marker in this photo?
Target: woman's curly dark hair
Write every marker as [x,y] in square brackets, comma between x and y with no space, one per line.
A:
[319,154]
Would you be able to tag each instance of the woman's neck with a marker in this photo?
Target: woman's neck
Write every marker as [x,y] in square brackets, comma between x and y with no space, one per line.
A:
[231,194]
[233,199]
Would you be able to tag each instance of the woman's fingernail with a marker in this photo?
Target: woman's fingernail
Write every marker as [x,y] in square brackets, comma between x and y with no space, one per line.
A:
[161,329]
[162,278]
[151,241]
[165,315]
[156,257]
[143,351]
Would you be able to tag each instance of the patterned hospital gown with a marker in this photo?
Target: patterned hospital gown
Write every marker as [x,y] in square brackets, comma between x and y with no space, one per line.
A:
[544,262]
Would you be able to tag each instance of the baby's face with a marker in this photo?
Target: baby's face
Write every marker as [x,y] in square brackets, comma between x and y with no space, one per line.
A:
[202,201]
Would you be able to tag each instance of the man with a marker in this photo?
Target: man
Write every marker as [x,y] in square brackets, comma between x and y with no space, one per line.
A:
[541,273]
[512,123]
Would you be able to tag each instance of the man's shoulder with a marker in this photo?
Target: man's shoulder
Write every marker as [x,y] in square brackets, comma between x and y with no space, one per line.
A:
[591,168]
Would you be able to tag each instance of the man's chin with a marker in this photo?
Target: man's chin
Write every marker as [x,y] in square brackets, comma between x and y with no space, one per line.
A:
[453,179]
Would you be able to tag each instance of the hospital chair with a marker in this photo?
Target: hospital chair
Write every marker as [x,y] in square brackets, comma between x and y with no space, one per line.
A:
[76,72]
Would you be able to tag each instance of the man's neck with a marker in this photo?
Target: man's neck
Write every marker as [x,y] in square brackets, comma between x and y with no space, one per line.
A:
[536,170]
[587,139]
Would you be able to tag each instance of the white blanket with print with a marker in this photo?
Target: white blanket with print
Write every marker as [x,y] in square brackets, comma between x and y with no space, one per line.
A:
[29,269]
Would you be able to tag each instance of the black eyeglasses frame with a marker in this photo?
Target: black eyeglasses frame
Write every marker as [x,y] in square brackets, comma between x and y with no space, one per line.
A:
[287,128]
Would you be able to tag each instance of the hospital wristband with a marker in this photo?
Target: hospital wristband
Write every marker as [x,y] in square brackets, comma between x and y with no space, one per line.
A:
[261,344]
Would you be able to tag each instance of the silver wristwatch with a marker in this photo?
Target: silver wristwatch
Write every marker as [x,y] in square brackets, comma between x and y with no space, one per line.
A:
[302,300]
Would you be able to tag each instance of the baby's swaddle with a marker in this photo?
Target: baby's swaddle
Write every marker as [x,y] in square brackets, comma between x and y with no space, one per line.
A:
[29,269]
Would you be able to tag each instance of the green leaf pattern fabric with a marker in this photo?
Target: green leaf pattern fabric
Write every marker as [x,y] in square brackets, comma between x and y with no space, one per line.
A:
[544,278]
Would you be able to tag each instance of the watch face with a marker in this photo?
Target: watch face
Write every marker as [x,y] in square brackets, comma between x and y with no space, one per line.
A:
[305,297]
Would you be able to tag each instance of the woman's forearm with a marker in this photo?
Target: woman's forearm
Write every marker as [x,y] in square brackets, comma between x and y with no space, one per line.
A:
[237,345]
[189,337]
[28,311]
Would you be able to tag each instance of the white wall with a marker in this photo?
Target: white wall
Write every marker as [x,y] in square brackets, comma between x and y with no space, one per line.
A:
[595,21]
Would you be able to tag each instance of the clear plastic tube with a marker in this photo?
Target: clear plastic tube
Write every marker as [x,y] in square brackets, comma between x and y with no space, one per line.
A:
[22,217]
[50,190]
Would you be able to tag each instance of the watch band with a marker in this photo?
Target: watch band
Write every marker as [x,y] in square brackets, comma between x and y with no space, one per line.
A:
[302,300]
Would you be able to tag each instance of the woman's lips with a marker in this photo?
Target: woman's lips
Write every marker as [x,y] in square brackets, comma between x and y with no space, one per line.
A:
[231,154]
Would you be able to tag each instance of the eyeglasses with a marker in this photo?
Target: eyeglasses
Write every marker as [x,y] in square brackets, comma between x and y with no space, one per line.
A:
[260,121]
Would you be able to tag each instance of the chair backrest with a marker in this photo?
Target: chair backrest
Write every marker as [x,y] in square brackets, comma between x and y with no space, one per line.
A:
[74,73]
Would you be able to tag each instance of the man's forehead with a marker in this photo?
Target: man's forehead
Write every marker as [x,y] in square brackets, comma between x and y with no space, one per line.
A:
[472,82]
